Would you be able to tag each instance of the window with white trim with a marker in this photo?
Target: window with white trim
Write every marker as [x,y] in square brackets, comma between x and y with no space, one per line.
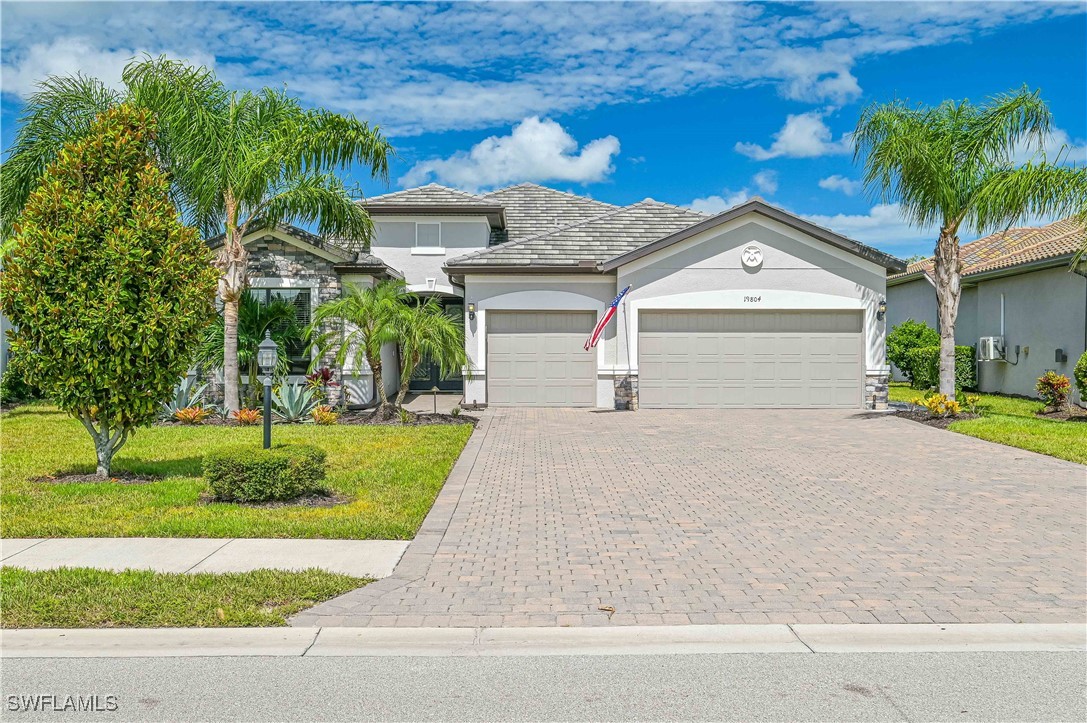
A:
[428,235]
[301,299]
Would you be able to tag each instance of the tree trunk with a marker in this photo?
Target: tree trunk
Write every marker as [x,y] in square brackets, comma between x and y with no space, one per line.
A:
[948,268]
[405,379]
[232,261]
[104,451]
[106,444]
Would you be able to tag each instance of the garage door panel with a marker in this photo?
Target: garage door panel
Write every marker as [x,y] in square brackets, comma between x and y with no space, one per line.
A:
[751,359]
[538,359]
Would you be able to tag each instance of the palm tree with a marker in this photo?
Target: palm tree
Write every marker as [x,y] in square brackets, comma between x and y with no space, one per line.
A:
[278,317]
[357,325]
[237,160]
[952,165]
[425,331]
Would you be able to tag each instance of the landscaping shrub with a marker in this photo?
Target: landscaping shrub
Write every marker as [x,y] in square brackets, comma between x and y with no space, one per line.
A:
[904,338]
[323,414]
[1080,373]
[939,405]
[924,364]
[251,474]
[192,415]
[1053,388]
[13,385]
[247,417]
[293,402]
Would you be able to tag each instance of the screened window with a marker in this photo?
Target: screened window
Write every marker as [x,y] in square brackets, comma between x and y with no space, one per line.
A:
[301,300]
[428,235]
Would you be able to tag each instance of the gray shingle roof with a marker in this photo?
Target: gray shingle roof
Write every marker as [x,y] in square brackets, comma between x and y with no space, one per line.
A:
[430,194]
[591,241]
[532,210]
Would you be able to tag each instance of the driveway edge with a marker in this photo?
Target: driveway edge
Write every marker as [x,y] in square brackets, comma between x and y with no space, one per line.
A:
[480,642]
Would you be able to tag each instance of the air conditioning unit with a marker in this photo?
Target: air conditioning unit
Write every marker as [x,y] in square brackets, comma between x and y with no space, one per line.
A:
[991,348]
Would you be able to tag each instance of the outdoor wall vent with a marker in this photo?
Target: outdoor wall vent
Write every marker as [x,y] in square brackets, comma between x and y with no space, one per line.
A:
[991,348]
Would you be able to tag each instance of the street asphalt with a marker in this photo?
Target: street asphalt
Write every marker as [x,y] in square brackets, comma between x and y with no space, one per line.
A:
[1005,686]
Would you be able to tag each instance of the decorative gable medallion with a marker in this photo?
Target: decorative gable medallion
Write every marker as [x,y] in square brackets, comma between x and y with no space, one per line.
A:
[751,257]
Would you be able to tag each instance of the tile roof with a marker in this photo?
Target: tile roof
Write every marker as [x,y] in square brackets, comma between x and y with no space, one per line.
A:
[431,194]
[594,240]
[1016,246]
[532,210]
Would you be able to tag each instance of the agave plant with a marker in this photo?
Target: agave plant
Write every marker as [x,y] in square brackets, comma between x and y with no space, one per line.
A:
[186,394]
[293,402]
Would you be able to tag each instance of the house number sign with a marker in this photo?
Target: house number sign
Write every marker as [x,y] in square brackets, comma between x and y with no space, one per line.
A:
[751,257]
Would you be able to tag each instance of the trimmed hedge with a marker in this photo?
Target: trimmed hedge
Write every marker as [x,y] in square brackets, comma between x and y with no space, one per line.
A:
[1080,375]
[904,338]
[925,365]
[252,474]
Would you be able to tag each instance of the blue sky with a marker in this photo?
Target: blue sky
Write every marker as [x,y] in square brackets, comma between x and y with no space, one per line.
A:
[691,104]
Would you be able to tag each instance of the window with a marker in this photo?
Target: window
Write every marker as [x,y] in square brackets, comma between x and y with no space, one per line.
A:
[428,235]
[301,300]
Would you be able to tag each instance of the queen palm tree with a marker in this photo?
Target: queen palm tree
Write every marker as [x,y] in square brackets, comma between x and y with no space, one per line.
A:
[236,160]
[356,326]
[425,331]
[952,166]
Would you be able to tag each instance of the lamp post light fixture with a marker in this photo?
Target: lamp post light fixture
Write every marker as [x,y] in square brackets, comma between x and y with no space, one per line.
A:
[267,356]
[881,310]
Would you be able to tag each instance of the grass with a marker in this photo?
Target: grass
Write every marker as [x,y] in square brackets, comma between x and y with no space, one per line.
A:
[85,598]
[1013,421]
[390,474]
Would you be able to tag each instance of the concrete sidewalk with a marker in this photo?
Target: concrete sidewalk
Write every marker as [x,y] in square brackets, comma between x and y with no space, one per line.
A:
[488,642]
[360,558]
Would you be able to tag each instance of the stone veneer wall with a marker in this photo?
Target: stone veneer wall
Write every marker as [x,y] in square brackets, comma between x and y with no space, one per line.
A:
[272,258]
[875,390]
[626,392]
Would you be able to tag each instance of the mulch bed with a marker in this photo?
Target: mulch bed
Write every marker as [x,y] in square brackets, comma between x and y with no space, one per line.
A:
[121,478]
[315,499]
[349,417]
[922,416]
[1070,414]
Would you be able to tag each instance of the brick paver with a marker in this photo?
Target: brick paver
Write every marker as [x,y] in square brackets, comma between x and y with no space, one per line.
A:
[745,516]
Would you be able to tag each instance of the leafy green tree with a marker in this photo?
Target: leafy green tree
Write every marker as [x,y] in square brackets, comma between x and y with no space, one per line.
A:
[108,291]
[904,338]
[357,325]
[254,318]
[236,160]
[952,166]
[425,331]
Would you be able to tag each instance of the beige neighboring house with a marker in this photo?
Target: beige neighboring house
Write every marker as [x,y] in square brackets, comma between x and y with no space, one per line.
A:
[1016,284]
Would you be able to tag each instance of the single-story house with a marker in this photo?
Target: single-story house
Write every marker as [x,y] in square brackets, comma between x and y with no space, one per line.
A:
[752,307]
[1016,284]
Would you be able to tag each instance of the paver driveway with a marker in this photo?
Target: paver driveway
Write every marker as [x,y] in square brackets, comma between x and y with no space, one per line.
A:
[734,517]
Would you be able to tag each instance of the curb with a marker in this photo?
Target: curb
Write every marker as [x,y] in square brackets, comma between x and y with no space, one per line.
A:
[486,642]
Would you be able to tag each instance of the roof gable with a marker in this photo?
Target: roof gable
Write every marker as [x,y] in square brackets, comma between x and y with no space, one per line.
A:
[587,243]
[759,206]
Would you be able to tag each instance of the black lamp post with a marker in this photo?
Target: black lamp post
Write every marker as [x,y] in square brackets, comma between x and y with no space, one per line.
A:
[267,356]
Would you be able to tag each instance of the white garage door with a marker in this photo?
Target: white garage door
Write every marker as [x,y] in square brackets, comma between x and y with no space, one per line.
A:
[536,359]
[750,359]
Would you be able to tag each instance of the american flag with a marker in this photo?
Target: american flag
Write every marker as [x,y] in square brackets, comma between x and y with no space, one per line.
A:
[610,312]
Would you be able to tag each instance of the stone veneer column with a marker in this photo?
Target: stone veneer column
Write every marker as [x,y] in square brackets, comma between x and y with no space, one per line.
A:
[875,390]
[626,392]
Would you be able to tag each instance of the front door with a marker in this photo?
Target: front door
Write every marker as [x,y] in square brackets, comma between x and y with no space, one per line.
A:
[427,375]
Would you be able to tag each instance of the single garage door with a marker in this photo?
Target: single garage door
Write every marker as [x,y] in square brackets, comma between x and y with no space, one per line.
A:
[750,359]
[537,359]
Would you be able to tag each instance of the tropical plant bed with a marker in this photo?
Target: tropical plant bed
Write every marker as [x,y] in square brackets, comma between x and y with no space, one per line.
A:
[413,419]
[1069,414]
[86,598]
[922,416]
[388,474]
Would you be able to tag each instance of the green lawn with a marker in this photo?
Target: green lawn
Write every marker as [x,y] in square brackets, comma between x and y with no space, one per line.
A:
[1012,421]
[84,598]
[390,474]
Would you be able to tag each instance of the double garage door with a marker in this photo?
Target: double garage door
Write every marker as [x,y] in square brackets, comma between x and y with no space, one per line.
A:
[685,359]
[750,359]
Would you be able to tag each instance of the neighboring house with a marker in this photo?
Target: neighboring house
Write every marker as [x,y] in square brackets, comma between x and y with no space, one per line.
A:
[753,307]
[1016,284]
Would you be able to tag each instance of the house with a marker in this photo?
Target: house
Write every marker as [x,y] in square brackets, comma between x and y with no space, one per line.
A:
[752,307]
[1016,284]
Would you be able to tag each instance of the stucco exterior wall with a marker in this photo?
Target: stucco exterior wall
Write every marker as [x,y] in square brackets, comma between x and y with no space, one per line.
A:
[394,243]
[912,300]
[1043,311]
[536,293]
[798,272]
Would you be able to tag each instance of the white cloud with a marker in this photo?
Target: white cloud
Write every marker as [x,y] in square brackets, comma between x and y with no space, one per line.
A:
[766,181]
[71,55]
[717,204]
[1057,141]
[882,226]
[804,135]
[535,150]
[422,67]
[841,183]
